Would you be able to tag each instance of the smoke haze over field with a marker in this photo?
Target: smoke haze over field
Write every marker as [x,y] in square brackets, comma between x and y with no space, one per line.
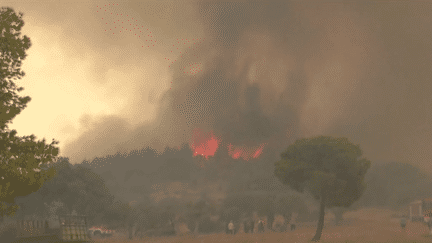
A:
[270,72]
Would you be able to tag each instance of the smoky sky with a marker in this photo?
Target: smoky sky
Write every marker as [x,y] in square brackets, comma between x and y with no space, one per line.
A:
[275,71]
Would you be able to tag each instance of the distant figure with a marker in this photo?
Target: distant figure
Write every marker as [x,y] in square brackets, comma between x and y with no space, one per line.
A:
[231,227]
[403,223]
[293,226]
[246,226]
[260,226]
[429,223]
[249,226]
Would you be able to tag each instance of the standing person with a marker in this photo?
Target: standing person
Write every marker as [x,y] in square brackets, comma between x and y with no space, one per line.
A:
[293,226]
[260,226]
[231,227]
[246,226]
[403,223]
[249,226]
[428,223]
[430,226]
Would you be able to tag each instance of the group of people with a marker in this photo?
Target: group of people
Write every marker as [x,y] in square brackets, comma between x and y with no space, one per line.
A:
[249,226]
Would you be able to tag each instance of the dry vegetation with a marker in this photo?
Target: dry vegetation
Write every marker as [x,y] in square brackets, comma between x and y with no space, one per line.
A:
[367,225]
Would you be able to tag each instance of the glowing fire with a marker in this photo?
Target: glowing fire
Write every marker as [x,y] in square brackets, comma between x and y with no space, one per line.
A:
[244,152]
[204,144]
[259,151]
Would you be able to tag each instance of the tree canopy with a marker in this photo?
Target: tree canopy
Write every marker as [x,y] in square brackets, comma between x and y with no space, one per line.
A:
[331,169]
[394,185]
[21,158]
[77,189]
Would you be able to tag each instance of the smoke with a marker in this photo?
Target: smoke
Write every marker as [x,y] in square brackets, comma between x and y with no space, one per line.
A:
[271,72]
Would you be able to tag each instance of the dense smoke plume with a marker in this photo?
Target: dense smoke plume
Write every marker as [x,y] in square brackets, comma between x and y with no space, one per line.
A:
[274,71]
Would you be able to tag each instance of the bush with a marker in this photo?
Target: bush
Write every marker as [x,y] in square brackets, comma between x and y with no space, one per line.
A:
[207,226]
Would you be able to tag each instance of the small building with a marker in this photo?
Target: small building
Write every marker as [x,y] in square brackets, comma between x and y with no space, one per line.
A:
[415,211]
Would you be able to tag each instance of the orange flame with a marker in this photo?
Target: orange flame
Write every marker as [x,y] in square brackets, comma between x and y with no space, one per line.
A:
[259,151]
[244,152]
[204,144]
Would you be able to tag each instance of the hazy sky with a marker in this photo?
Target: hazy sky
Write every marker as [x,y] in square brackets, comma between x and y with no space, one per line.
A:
[268,72]
[76,73]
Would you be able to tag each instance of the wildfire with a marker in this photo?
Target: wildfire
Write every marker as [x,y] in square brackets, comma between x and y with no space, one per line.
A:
[259,151]
[245,152]
[204,144]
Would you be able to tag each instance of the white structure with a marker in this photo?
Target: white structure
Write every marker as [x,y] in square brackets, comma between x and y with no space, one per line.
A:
[415,210]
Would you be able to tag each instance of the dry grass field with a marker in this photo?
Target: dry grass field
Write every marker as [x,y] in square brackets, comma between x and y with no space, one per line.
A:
[367,225]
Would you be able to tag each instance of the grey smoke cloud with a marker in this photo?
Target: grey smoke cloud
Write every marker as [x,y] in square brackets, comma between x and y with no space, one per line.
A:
[272,72]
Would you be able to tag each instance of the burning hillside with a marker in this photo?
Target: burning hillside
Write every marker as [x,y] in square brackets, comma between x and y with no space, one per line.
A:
[206,145]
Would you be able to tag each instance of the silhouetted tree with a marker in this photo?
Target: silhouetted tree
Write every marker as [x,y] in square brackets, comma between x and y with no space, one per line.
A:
[77,188]
[330,168]
[21,158]
[116,214]
[395,184]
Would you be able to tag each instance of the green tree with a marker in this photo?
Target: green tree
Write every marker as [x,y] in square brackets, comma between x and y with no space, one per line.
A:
[331,169]
[21,158]
[79,189]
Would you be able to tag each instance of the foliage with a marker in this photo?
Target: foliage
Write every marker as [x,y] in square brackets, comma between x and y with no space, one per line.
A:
[12,50]
[395,185]
[116,214]
[324,163]
[78,189]
[331,169]
[21,158]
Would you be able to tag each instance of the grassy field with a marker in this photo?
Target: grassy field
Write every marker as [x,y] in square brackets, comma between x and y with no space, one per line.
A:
[371,225]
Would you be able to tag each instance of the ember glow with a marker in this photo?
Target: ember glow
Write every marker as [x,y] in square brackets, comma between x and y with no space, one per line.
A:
[204,144]
[245,152]
[259,151]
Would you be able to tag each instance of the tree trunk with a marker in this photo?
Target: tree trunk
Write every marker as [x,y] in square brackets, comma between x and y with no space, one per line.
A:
[320,227]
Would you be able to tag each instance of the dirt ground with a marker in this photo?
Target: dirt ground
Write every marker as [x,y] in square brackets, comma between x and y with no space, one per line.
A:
[366,225]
